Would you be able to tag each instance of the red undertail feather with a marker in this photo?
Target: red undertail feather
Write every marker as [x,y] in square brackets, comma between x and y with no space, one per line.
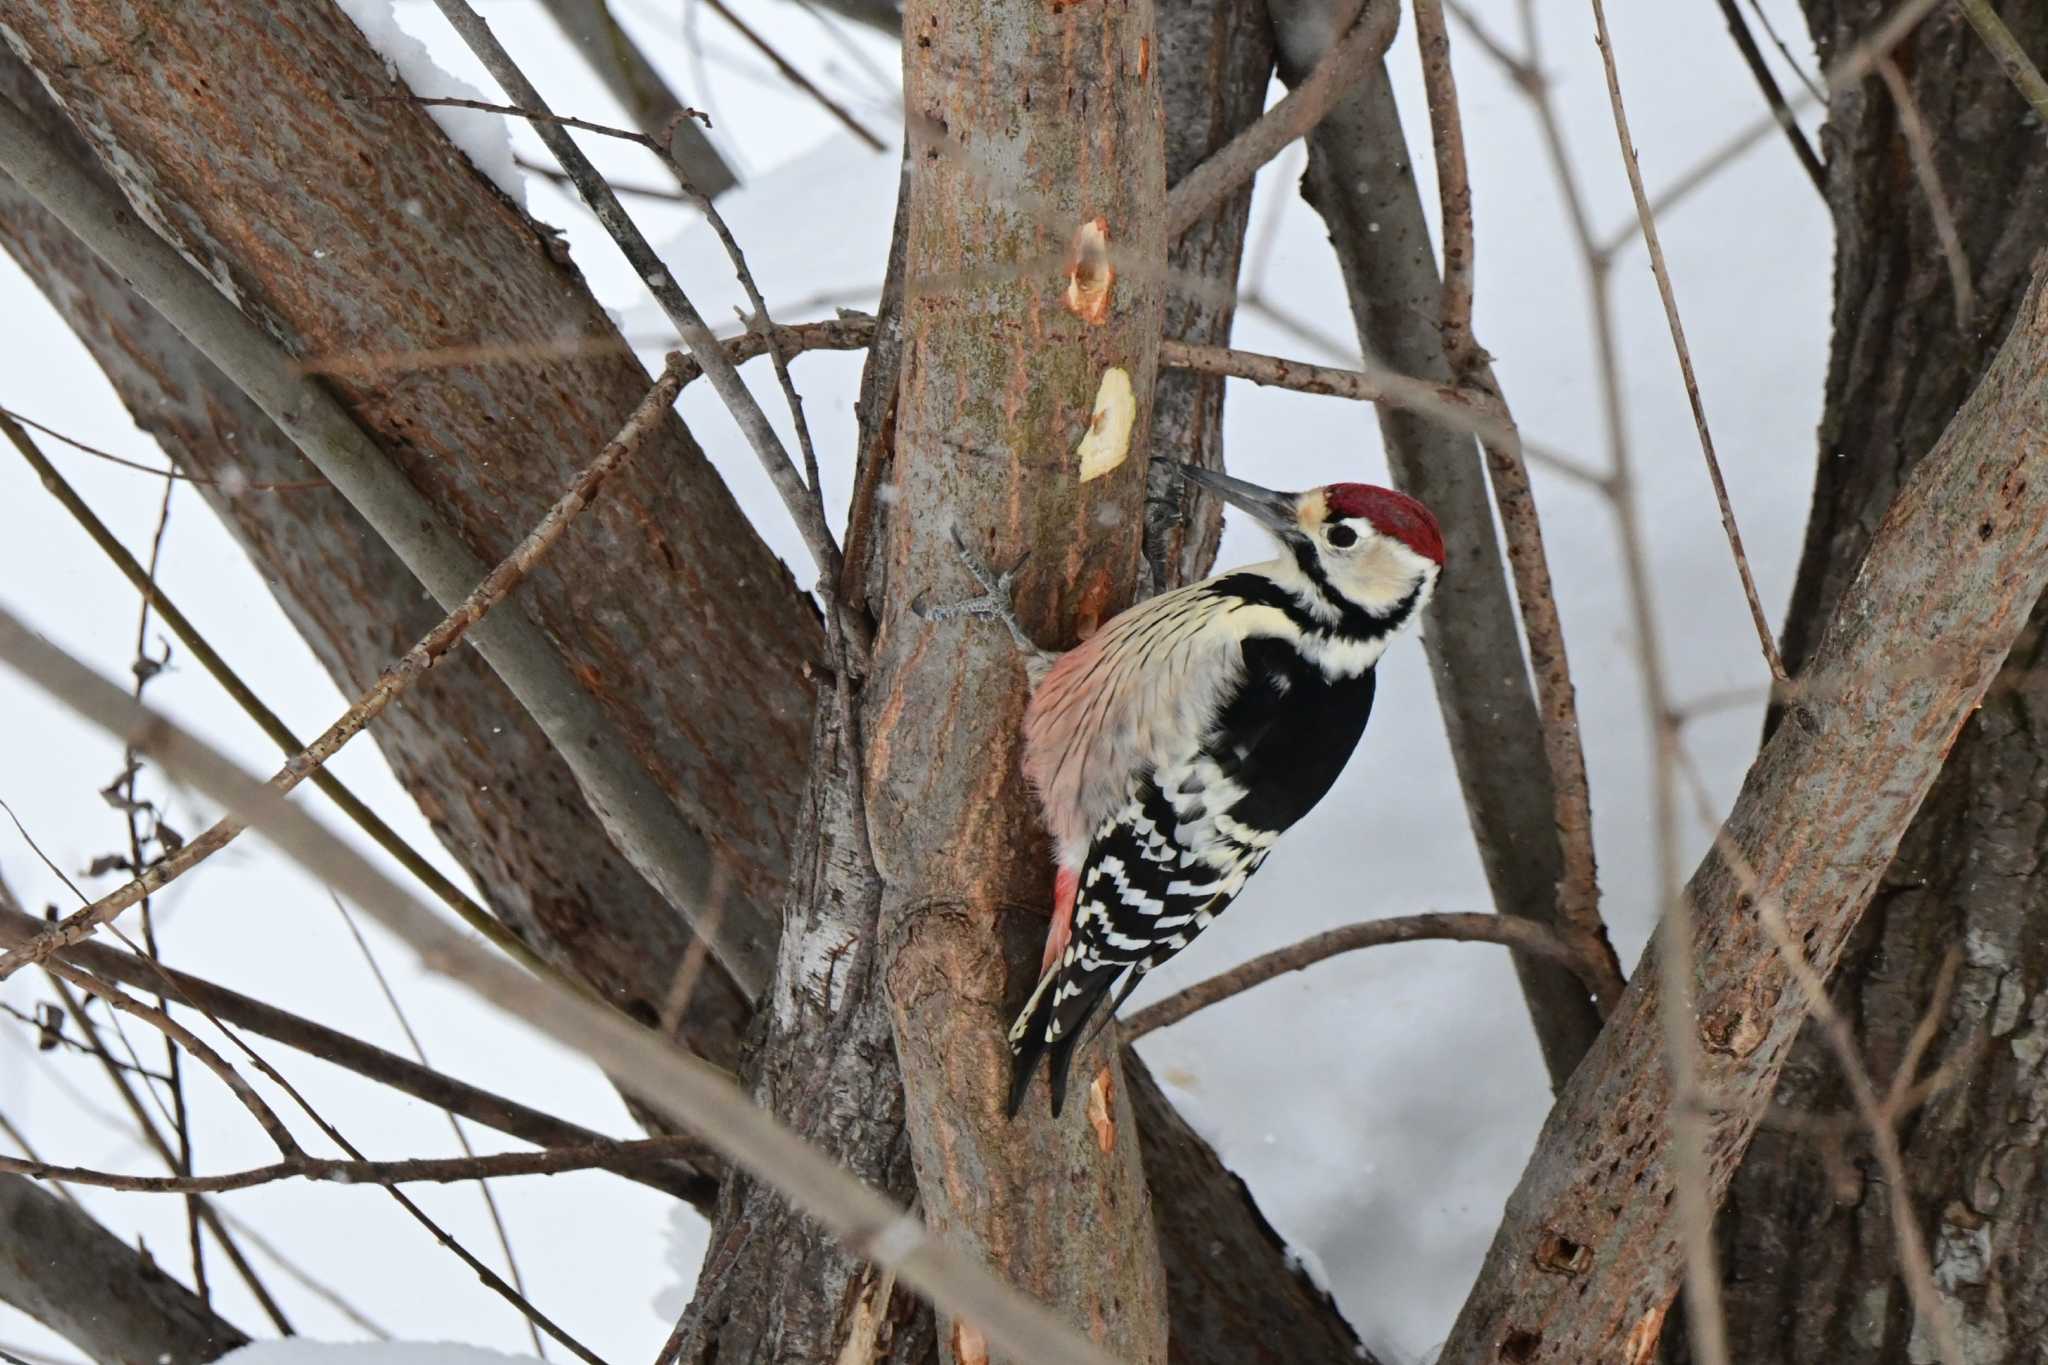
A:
[1065,886]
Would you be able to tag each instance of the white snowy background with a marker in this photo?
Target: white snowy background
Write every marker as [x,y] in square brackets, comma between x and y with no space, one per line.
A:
[1381,1105]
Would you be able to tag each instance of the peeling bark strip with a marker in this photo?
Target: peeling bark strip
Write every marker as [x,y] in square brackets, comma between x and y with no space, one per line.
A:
[347,226]
[1957,563]
[1034,118]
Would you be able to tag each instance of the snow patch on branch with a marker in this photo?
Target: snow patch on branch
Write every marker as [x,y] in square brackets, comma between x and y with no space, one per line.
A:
[484,138]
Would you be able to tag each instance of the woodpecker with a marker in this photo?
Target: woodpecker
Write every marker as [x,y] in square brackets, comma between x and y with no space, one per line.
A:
[1171,748]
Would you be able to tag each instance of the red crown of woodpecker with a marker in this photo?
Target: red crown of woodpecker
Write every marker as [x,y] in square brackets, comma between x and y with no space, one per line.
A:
[1391,513]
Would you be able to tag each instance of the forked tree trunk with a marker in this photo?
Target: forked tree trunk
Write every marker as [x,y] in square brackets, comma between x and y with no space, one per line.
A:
[1034,248]
[507,809]
[1808,1241]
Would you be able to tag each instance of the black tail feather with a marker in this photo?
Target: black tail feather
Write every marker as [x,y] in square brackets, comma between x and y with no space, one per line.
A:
[1072,1019]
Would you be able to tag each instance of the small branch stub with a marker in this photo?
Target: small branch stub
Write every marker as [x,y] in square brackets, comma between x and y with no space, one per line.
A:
[1090,276]
[1107,442]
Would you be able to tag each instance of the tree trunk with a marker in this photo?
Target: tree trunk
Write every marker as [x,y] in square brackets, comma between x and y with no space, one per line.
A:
[110,1301]
[1812,1274]
[499,797]
[443,319]
[1587,1259]
[1215,62]
[1036,232]
[504,804]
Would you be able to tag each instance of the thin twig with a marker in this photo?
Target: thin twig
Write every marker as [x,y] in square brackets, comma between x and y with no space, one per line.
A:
[689,324]
[116,998]
[1237,161]
[556,175]
[1753,58]
[695,1095]
[293,486]
[266,720]
[1763,17]
[1648,221]
[146,1126]
[2010,56]
[181,1119]
[1577,902]
[419,1052]
[1853,66]
[449,1170]
[796,77]
[535,116]
[1454,184]
[1523,935]
[1921,148]
[1706,1316]
[365,1059]
[496,586]
[1462,409]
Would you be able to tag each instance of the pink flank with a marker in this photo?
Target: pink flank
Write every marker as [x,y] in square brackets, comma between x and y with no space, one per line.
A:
[1065,885]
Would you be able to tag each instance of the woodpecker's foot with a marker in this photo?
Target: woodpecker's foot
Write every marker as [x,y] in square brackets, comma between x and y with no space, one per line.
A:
[996,603]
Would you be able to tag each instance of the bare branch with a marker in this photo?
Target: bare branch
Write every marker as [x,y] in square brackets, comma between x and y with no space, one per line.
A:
[634,82]
[702,345]
[1753,58]
[695,1095]
[1524,935]
[344,1050]
[1921,146]
[495,587]
[2011,57]
[600,1156]
[640,817]
[796,77]
[1216,179]
[1647,218]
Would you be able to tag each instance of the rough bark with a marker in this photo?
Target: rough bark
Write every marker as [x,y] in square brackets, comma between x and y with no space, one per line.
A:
[110,1301]
[1361,181]
[355,232]
[1000,376]
[1812,1274]
[772,1288]
[1588,1257]
[501,801]
[1215,60]
[495,792]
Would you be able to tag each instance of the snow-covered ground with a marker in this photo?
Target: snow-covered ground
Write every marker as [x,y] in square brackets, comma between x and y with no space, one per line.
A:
[1380,1106]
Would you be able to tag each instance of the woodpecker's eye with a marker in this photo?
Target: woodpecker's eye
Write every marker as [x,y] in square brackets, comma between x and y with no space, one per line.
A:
[1342,536]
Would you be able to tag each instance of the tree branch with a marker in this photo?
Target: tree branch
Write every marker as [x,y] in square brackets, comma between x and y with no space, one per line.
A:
[636,813]
[1819,817]
[697,1186]
[495,587]
[695,1095]
[111,1301]
[1305,106]
[1525,935]
[620,1157]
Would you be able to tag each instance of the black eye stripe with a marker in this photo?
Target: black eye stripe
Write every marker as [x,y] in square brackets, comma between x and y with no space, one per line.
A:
[1341,536]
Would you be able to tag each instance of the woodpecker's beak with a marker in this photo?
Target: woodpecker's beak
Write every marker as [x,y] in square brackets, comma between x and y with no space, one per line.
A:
[1277,512]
